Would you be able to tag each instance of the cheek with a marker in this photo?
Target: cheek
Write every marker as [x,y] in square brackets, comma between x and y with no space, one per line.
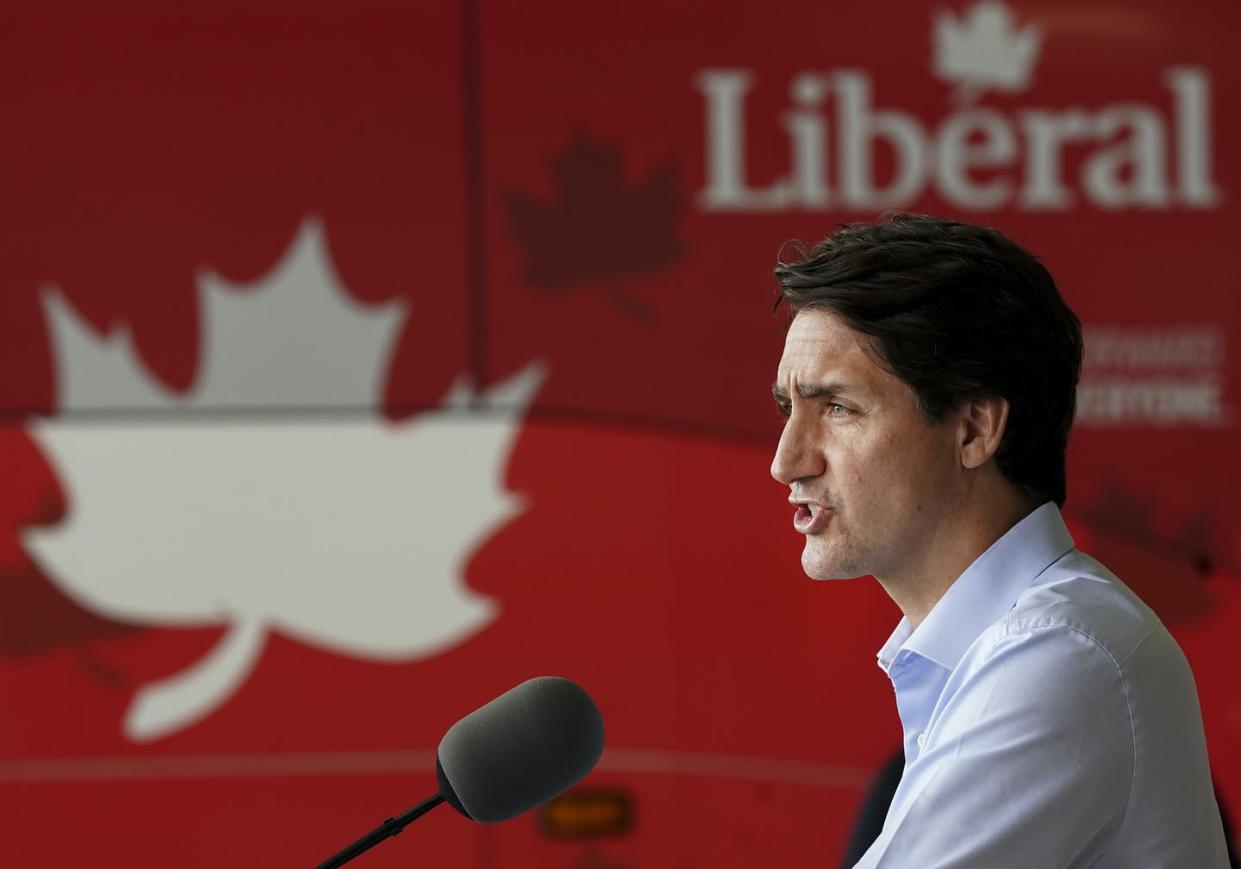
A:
[921,474]
[864,475]
[889,476]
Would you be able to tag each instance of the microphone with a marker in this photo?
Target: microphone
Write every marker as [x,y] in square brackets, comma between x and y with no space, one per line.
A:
[528,745]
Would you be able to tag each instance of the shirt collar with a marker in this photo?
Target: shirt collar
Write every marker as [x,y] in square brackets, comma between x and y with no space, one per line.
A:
[985,591]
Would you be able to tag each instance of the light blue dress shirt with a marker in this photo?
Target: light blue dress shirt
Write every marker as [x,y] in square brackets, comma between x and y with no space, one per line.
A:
[1050,721]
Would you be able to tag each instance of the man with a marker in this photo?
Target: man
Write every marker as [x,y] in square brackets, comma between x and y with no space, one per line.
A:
[1050,720]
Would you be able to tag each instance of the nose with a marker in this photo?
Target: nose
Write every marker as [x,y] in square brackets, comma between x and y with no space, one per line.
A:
[795,457]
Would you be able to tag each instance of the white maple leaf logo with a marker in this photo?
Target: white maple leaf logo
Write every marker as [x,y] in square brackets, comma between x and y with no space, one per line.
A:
[351,534]
[985,49]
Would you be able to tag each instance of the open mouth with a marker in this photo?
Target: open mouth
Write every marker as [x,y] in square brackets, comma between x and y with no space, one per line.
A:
[810,518]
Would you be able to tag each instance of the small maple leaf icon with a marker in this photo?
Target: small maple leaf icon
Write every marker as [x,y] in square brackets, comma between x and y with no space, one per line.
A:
[597,228]
[985,50]
[350,534]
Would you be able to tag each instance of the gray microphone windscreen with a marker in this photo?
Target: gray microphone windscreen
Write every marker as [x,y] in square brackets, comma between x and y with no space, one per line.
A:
[520,750]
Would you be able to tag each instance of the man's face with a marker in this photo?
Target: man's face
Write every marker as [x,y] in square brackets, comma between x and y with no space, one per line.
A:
[878,476]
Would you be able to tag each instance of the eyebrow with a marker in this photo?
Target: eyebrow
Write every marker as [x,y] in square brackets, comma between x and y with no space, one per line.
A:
[809,390]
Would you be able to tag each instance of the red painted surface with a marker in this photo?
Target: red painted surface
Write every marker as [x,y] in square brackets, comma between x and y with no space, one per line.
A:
[655,562]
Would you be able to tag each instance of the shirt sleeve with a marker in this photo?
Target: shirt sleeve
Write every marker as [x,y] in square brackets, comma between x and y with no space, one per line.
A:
[1028,762]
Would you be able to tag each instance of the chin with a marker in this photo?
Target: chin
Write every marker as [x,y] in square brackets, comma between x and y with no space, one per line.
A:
[819,566]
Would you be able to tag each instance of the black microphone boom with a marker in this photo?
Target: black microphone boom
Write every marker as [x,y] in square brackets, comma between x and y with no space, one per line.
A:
[528,745]
[390,827]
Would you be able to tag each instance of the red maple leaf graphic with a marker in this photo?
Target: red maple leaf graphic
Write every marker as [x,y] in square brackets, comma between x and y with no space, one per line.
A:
[1168,570]
[35,616]
[597,228]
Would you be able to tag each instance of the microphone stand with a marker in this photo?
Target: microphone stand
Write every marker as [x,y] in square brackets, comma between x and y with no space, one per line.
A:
[390,827]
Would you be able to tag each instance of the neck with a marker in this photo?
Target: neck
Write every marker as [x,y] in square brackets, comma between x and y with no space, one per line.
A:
[954,545]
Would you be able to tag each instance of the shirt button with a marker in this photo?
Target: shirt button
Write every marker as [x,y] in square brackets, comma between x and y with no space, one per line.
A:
[921,739]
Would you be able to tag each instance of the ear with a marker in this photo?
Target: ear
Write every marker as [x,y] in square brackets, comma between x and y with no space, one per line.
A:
[982,424]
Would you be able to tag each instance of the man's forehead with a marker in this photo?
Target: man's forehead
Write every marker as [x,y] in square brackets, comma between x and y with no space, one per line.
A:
[819,340]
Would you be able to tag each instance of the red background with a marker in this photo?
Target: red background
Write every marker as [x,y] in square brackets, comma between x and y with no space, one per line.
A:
[526,176]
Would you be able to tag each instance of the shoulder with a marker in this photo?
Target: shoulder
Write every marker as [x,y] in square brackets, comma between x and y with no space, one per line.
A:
[1078,596]
[1081,636]
[1066,645]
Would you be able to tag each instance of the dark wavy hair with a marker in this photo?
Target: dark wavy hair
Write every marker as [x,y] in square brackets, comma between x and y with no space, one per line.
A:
[958,312]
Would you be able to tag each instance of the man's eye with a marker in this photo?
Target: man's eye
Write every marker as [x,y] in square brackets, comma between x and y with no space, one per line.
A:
[838,409]
[784,410]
